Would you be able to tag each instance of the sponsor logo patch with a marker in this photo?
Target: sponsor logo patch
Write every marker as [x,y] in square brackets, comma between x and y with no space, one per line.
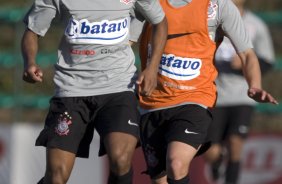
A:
[112,50]
[180,68]
[82,52]
[104,32]
[177,86]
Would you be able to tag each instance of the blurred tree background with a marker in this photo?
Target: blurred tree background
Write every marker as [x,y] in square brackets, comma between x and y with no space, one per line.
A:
[22,102]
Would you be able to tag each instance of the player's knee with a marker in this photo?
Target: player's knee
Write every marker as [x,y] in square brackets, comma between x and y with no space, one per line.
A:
[213,153]
[162,180]
[57,176]
[177,168]
[235,147]
[120,161]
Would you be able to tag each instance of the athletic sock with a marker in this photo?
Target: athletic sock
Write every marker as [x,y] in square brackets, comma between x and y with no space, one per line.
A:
[232,172]
[124,179]
[184,180]
[41,181]
[215,167]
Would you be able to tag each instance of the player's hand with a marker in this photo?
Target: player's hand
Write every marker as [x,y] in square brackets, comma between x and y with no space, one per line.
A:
[32,74]
[262,96]
[147,81]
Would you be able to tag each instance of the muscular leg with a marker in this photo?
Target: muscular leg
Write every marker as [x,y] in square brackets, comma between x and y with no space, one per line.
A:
[179,157]
[213,153]
[235,147]
[162,180]
[214,157]
[59,166]
[120,148]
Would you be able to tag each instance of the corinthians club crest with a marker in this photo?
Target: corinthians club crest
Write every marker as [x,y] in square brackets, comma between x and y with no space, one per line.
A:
[212,10]
[151,156]
[64,121]
[127,1]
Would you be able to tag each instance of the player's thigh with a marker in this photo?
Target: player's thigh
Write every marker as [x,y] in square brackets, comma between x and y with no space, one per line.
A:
[118,122]
[120,144]
[181,152]
[59,162]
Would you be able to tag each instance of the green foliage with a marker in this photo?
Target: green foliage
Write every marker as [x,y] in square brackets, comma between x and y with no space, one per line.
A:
[263,5]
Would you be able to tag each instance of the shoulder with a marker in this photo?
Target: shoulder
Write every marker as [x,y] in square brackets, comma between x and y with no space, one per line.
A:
[221,3]
[226,9]
[228,12]
[252,18]
[226,5]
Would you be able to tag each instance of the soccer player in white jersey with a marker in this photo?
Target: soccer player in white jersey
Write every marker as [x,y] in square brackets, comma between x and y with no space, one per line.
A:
[234,110]
[94,78]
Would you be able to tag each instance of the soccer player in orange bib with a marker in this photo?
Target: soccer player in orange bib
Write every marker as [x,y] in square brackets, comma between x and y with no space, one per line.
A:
[175,116]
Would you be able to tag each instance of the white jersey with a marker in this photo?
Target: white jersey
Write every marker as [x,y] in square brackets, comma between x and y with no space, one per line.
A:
[231,85]
[94,56]
[221,14]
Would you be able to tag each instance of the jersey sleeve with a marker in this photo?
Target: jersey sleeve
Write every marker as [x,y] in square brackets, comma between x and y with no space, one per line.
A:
[151,10]
[38,19]
[136,25]
[263,45]
[233,26]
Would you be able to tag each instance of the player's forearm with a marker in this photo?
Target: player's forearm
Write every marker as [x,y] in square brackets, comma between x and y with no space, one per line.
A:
[251,68]
[158,43]
[265,65]
[29,46]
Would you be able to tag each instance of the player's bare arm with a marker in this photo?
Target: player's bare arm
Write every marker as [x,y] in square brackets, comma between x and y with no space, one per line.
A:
[32,73]
[148,78]
[251,70]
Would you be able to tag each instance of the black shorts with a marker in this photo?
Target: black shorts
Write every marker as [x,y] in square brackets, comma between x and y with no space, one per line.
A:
[71,121]
[187,124]
[231,120]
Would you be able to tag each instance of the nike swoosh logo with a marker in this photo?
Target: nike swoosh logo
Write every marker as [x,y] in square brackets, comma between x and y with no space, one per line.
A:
[189,132]
[131,123]
[171,36]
